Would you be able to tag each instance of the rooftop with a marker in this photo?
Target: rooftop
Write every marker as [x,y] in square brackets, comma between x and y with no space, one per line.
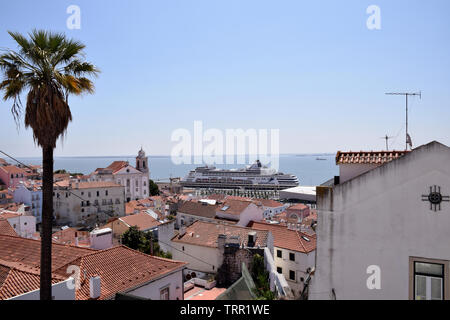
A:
[287,239]
[86,185]
[120,268]
[6,228]
[117,165]
[13,170]
[206,234]
[198,209]
[17,278]
[143,221]
[368,157]
[233,206]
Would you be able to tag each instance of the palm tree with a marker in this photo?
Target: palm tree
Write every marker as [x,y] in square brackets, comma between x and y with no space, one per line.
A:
[49,67]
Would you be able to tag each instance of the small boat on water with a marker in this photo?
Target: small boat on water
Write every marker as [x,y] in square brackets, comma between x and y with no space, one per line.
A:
[321,159]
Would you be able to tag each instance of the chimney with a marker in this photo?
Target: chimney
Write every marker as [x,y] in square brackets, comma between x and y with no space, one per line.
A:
[221,239]
[76,238]
[95,287]
[336,180]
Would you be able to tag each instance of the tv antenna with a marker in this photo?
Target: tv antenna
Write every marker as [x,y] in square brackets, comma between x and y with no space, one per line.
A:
[387,139]
[407,94]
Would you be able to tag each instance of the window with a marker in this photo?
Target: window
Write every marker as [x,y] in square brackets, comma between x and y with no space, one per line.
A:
[98,193]
[291,256]
[279,254]
[279,270]
[106,192]
[428,281]
[292,275]
[164,294]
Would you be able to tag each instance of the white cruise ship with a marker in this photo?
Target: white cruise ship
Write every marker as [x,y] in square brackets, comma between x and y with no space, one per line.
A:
[255,177]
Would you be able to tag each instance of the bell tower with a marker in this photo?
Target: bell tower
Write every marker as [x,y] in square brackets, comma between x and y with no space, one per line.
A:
[142,162]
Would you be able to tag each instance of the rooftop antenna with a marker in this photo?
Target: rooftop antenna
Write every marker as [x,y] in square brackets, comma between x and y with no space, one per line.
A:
[407,94]
[387,139]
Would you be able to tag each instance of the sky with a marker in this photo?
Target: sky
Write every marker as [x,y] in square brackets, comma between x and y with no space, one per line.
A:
[311,69]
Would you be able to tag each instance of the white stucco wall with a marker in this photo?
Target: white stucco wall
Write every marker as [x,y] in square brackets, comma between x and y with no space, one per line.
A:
[349,171]
[210,258]
[302,262]
[25,226]
[173,281]
[380,219]
[60,291]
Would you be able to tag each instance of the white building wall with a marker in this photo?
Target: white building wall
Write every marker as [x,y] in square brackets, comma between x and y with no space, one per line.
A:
[33,199]
[210,258]
[60,291]
[302,262]
[68,205]
[349,171]
[173,281]
[25,226]
[380,219]
[251,213]
[166,232]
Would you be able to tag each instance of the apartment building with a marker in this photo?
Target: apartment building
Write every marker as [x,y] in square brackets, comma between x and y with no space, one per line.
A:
[87,203]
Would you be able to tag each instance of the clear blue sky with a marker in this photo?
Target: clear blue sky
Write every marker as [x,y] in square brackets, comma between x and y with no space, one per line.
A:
[309,68]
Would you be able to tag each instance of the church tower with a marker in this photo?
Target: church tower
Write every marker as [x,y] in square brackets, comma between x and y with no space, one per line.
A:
[142,162]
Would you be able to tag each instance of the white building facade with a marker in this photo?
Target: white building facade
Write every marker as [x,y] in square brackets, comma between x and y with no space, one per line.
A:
[87,203]
[30,194]
[385,234]
[135,180]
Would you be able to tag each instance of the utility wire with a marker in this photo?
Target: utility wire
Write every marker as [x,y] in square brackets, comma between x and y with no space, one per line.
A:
[20,162]
[56,183]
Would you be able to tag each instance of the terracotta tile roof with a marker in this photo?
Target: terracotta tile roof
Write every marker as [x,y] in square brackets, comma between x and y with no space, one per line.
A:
[205,234]
[286,238]
[121,269]
[9,214]
[134,206]
[13,170]
[28,251]
[117,165]
[198,209]
[269,203]
[141,220]
[6,229]
[234,207]
[17,278]
[67,236]
[371,157]
[3,162]
[87,185]
[298,206]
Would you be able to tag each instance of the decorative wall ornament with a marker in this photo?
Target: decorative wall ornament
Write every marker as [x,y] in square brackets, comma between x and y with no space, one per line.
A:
[435,198]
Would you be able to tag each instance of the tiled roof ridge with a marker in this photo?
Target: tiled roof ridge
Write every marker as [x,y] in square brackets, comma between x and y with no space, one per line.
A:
[233,226]
[128,248]
[53,243]
[26,268]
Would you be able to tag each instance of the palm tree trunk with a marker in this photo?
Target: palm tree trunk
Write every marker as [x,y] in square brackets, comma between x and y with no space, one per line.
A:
[47,217]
